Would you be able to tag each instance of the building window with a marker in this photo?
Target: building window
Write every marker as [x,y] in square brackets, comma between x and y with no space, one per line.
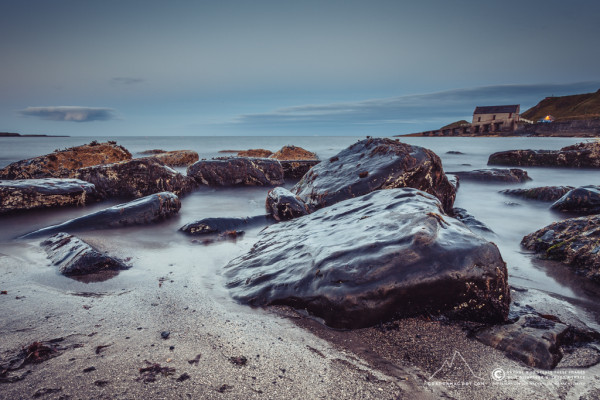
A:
[479,119]
[510,115]
[494,118]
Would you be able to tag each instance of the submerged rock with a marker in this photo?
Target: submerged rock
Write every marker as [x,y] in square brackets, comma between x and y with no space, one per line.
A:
[284,205]
[581,155]
[532,339]
[73,256]
[374,164]
[513,175]
[390,253]
[149,209]
[27,194]
[176,158]
[545,193]
[221,225]
[135,178]
[574,241]
[237,171]
[583,200]
[64,163]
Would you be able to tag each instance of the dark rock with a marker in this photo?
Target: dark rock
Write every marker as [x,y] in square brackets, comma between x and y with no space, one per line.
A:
[581,155]
[73,256]
[454,152]
[545,193]
[294,153]
[390,253]
[254,153]
[572,241]
[176,158]
[27,194]
[153,151]
[221,225]
[298,168]
[454,181]
[165,334]
[512,175]
[583,200]
[135,178]
[64,163]
[473,223]
[532,339]
[389,164]
[149,209]
[237,171]
[284,205]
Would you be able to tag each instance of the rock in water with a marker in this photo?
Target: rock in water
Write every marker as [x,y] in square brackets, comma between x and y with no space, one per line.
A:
[255,153]
[533,340]
[545,193]
[27,194]
[581,155]
[296,169]
[573,241]
[583,200]
[237,171]
[64,163]
[513,175]
[284,205]
[391,253]
[294,153]
[374,164]
[220,225]
[469,220]
[176,158]
[73,256]
[135,178]
[149,209]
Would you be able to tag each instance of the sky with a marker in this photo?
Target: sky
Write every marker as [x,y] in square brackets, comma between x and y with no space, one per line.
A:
[210,68]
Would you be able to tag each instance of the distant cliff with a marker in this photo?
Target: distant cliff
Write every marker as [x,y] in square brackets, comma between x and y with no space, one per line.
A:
[12,134]
[563,108]
[9,134]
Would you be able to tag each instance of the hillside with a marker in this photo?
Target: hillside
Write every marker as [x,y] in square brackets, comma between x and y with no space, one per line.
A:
[579,106]
[456,124]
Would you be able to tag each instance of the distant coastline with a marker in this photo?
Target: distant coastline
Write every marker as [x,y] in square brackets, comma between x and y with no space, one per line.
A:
[14,134]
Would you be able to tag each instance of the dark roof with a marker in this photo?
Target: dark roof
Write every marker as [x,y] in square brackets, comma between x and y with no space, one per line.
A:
[497,109]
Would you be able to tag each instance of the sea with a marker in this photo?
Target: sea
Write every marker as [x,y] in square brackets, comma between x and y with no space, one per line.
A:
[156,248]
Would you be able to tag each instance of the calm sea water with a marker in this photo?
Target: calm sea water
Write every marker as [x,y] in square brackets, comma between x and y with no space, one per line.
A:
[153,247]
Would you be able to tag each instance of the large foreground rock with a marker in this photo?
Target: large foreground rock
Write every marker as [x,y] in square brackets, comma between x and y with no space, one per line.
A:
[64,163]
[296,169]
[27,194]
[532,339]
[581,155]
[513,175]
[237,171]
[582,200]
[374,164]
[284,205]
[573,241]
[73,256]
[545,193]
[391,253]
[149,209]
[135,178]
[176,158]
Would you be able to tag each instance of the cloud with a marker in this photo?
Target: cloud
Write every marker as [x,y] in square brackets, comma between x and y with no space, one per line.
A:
[417,109]
[70,113]
[126,81]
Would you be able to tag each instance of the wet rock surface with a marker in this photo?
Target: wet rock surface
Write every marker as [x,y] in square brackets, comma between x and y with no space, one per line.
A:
[176,158]
[545,193]
[469,220]
[255,153]
[221,225]
[581,155]
[283,205]
[27,194]
[64,163]
[135,178]
[574,241]
[582,200]
[513,175]
[391,253]
[73,256]
[149,209]
[374,164]
[294,153]
[237,171]
[531,339]
[298,168]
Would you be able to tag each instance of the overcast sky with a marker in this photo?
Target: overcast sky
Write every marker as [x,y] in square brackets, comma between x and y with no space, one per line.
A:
[284,67]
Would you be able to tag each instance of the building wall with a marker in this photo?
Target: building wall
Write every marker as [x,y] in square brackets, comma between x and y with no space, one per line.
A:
[488,123]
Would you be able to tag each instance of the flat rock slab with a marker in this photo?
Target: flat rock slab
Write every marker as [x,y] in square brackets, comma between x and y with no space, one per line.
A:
[581,155]
[284,205]
[135,178]
[532,340]
[374,164]
[237,171]
[545,193]
[73,256]
[573,241]
[513,175]
[176,158]
[221,225]
[582,200]
[64,163]
[149,209]
[391,253]
[27,194]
